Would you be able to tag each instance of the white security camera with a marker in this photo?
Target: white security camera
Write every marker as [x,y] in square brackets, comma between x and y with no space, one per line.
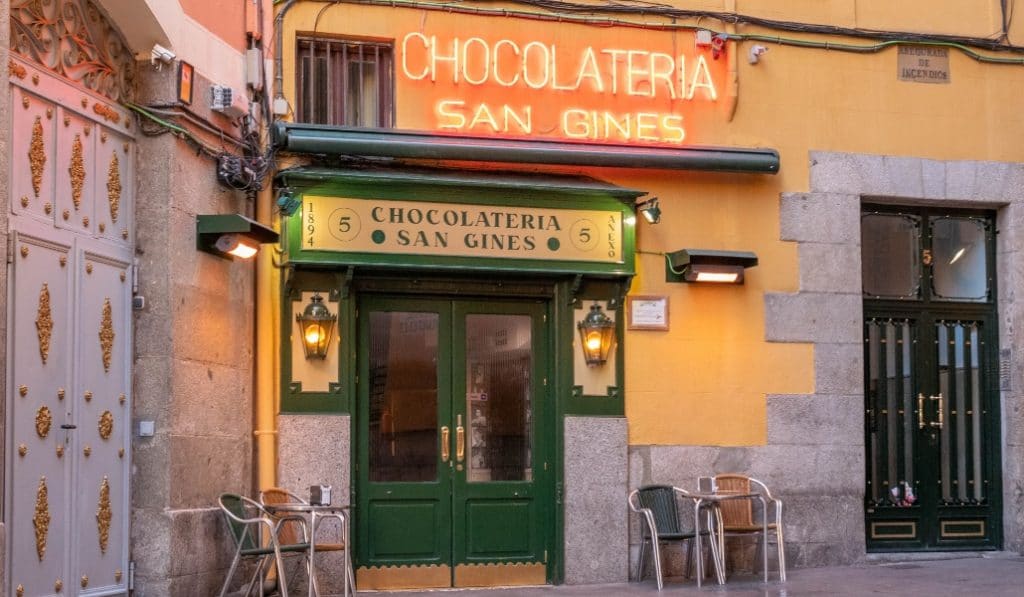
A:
[161,54]
[755,53]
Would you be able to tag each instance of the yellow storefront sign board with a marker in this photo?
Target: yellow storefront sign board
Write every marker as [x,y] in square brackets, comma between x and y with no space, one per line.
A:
[344,224]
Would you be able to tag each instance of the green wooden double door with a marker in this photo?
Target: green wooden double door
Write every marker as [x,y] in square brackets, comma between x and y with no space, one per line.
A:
[454,433]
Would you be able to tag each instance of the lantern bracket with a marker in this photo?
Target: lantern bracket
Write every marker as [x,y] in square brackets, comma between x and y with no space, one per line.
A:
[577,282]
[344,285]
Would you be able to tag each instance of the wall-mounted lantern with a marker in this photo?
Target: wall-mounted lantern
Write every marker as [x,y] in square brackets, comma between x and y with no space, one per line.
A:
[701,265]
[597,336]
[231,235]
[316,324]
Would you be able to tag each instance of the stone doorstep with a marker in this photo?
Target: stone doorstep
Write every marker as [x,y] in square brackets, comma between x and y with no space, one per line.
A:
[927,556]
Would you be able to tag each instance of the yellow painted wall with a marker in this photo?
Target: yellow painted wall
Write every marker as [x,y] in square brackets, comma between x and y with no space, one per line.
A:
[704,381]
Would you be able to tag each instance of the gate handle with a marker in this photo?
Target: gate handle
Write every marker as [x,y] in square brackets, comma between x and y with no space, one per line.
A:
[942,416]
[445,444]
[460,441]
[920,410]
[68,426]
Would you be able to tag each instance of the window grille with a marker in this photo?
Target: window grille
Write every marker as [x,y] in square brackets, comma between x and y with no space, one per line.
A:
[345,82]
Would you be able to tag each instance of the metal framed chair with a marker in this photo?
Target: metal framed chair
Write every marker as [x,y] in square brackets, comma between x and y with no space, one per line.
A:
[660,523]
[738,516]
[256,538]
[294,531]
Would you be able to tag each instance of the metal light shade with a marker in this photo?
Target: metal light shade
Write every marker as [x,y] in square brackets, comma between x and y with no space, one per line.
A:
[316,324]
[597,336]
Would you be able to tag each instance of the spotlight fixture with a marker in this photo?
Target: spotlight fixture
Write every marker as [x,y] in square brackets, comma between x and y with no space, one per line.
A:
[650,210]
[231,235]
[701,265]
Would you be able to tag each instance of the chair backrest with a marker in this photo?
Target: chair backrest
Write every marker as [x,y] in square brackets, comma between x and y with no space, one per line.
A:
[291,530]
[661,501]
[234,507]
[735,513]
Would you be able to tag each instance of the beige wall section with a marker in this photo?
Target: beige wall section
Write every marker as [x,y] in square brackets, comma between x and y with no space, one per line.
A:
[706,380]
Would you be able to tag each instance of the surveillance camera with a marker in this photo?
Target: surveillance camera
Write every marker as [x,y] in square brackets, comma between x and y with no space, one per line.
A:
[161,54]
[755,53]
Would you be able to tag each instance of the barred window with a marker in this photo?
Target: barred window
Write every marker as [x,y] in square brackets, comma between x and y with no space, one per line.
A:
[345,82]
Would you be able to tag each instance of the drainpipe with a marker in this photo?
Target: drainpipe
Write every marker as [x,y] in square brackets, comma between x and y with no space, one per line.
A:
[267,354]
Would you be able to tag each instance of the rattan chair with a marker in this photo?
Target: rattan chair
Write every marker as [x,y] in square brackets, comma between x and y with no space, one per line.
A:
[660,523]
[738,516]
[256,537]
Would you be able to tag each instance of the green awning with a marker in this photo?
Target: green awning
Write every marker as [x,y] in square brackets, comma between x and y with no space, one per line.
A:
[332,140]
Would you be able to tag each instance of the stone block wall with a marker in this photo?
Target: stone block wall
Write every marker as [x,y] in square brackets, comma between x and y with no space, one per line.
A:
[193,366]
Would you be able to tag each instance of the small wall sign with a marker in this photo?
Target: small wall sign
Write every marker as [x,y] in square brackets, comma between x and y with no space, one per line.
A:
[647,312]
[185,74]
[923,64]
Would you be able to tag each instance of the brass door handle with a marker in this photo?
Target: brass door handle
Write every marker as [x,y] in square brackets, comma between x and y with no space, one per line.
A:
[920,410]
[446,450]
[942,415]
[460,441]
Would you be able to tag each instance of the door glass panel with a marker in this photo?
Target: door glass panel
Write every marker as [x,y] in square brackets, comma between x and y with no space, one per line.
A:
[403,438]
[889,247]
[891,419]
[499,359]
[959,262]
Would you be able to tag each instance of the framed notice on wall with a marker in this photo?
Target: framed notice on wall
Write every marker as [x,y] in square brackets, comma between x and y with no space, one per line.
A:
[647,312]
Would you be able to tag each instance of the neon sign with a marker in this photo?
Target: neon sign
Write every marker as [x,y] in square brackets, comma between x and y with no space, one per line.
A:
[521,87]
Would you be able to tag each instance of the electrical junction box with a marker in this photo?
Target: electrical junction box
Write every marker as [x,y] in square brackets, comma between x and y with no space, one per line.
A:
[227,101]
[703,38]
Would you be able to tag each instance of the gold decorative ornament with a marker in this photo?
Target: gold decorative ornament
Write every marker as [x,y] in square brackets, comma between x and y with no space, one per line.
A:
[86,129]
[36,153]
[41,519]
[16,70]
[117,575]
[44,420]
[67,120]
[23,389]
[120,452]
[22,449]
[88,268]
[85,221]
[114,187]
[66,214]
[77,171]
[87,451]
[24,201]
[24,250]
[122,276]
[85,102]
[48,208]
[107,334]
[35,78]
[58,586]
[121,398]
[60,393]
[20,590]
[106,112]
[104,516]
[60,450]
[125,147]
[124,233]
[49,113]
[63,260]
[25,102]
[103,227]
[85,581]
[106,426]
[44,322]
[88,396]
[103,137]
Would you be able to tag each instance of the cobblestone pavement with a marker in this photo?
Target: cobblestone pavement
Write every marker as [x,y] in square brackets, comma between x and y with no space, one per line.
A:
[994,574]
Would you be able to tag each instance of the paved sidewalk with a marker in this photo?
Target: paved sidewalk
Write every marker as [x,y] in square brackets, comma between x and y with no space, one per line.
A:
[995,574]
